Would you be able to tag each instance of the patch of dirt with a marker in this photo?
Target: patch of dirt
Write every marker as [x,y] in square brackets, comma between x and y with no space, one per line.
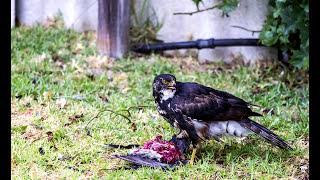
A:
[39,58]
[120,79]
[36,172]
[304,143]
[97,62]
[300,169]
[73,119]
[98,65]
[24,118]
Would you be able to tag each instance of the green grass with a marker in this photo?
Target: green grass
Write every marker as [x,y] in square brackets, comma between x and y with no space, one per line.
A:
[68,69]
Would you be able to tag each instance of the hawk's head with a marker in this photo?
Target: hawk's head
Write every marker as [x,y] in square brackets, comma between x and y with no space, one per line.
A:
[164,86]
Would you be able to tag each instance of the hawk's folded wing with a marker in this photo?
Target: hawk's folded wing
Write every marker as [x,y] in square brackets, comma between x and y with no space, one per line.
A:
[200,102]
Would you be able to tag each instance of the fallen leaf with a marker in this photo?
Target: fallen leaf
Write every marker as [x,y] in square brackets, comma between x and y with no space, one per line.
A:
[121,81]
[32,135]
[98,62]
[50,136]
[39,58]
[88,174]
[49,22]
[62,157]
[58,61]
[94,72]
[256,90]
[104,98]
[61,102]
[79,47]
[304,168]
[47,95]
[133,126]
[60,64]
[296,116]
[110,75]
[73,119]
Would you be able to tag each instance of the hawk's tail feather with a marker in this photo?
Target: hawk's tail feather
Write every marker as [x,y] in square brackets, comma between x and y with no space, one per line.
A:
[265,133]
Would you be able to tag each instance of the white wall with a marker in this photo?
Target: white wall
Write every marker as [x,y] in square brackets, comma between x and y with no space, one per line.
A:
[210,24]
[13,13]
[82,15]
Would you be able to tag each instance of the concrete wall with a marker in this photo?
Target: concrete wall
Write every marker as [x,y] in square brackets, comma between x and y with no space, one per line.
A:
[82,15]
[210,24]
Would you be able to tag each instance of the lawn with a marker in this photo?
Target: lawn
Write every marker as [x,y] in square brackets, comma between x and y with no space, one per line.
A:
[66,102]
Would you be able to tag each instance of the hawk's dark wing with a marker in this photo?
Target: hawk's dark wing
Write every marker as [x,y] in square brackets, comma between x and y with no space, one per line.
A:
[196,101]
[200,102]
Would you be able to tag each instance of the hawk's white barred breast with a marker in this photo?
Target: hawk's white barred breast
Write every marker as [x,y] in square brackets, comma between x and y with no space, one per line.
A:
[220,128]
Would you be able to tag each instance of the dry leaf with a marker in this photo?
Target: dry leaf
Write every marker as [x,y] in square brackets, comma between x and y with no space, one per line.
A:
[61,102]
[133,126]
[304,168]
[39,58]
[79,47]
[104,98]
[47,95]
[60,64]
[121,81]
[73,119]
[110,75]
[50,22]
[97,62]
[58,61]
[50,136]
[32,135]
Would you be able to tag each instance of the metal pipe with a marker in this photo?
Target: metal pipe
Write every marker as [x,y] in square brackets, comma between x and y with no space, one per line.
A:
[198,44]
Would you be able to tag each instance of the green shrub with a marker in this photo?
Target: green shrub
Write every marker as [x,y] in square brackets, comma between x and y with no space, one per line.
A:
[286,27]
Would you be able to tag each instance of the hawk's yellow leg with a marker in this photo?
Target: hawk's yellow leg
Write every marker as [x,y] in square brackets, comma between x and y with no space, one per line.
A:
[194,152]
[193,155]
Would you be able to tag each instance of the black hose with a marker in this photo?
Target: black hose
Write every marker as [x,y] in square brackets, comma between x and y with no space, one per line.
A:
[198,44]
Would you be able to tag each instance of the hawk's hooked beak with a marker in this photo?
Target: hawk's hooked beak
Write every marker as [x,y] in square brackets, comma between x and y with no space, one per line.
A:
[172,86]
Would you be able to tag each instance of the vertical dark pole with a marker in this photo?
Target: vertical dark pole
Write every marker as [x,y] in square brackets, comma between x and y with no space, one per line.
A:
[113,27]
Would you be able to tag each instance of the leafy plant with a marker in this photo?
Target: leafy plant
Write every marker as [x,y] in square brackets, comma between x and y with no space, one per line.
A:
[286,27]
[227,6]
[143,28]
[197,2]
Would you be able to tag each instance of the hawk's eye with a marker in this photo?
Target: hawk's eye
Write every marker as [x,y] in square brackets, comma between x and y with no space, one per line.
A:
[165,82]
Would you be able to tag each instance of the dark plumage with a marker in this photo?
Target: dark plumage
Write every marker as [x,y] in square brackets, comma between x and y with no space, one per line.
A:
[202,112]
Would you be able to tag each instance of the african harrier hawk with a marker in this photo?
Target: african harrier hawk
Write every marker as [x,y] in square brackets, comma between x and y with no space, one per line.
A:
[202,112]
